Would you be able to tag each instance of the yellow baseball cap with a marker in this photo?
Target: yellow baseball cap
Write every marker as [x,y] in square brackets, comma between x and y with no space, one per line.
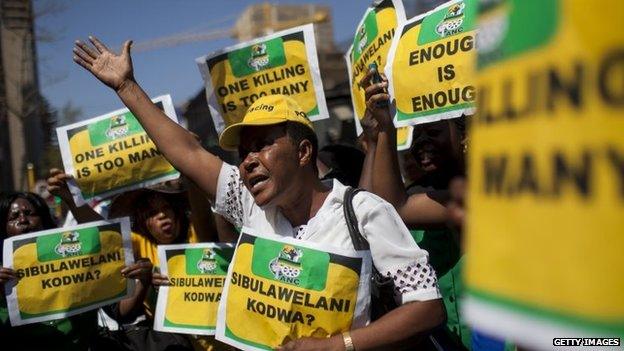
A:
[267,110]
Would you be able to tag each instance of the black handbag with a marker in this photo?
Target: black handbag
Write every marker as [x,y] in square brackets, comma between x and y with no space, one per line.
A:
[382,288]
[382,292]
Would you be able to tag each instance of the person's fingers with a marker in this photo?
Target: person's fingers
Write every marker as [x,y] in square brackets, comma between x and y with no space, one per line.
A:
[7,274]
[53,181]
[82,63]
[55,171]
[63,177]
[6,277]
[126,47]
[7,271]
[158,279]
[142,263]
[374,89]
[98,44]
[372,102]
[365,81]
[137,272]
[289,346]
[85,50]
[83,56]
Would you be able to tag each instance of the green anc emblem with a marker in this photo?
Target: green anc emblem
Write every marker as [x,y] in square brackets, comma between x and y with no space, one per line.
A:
[452,21]
[259,57]
[117,128]
[365,34]
[503,27]
[362,38]
[70,244]
[287,265]
[207,264]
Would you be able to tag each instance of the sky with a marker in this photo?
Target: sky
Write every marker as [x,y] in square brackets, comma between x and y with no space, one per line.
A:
[170,70]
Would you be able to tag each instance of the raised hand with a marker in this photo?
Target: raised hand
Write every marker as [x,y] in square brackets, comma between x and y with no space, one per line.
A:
[373,94]
[57,184]
[111,69]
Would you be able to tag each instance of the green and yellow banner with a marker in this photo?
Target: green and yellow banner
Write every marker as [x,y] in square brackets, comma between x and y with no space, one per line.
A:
[282,63]
[371,43]
[545,236]
[431,64]
[63,272]
[196,275]
[112,153]
[281,289]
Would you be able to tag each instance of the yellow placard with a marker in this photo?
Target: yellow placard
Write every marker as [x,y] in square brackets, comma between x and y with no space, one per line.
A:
[282,63]
[112,153]
[278,291]
[371,43]
[546,228]
[197,275]
[431,64]
[67,271]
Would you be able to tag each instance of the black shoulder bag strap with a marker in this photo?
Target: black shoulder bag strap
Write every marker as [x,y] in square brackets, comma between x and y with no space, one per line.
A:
[382,299]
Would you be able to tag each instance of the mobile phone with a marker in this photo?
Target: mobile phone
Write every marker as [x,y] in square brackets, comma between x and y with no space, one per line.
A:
[376,78]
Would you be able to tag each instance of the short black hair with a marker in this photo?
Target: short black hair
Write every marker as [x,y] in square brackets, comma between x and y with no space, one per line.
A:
[145,209]
[41,209]
[299,132]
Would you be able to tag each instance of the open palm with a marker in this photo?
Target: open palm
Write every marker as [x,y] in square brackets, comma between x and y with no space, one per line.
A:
[111,69]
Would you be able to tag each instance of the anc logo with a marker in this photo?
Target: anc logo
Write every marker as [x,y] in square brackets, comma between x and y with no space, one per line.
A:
[207,264]
[287,265]
[118,128]
[503,24]
[70,244]
[365,34]
[492,30]
[259,57]
[452,21]
[362,39]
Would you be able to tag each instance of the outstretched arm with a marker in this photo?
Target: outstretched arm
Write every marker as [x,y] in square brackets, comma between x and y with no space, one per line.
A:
[417,210]
[177,145]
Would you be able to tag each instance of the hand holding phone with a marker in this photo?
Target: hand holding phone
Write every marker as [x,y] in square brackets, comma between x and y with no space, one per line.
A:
[376,78]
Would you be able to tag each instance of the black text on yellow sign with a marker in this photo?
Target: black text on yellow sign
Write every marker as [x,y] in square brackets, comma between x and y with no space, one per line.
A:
[112,153]
[280,292]
[547,168]
[196,276]
[432,62]
[62,272]
[283,63]
[371,44]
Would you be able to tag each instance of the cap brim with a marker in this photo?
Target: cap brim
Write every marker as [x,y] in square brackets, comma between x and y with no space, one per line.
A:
[230,138]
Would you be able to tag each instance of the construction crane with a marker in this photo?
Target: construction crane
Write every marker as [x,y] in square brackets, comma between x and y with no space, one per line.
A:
[255,21]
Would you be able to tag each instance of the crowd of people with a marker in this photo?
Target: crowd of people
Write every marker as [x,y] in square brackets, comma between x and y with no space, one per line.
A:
[410,215]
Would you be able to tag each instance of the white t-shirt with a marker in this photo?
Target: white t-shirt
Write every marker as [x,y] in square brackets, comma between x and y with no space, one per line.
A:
[394,252]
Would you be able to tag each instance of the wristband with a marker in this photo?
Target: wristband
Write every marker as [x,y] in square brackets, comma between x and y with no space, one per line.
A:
[348,342]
